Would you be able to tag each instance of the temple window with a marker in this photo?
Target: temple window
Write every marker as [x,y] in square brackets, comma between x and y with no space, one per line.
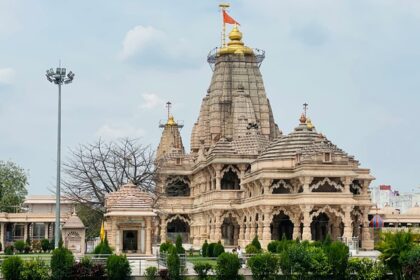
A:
[230,180]
[327,157]
[177,187]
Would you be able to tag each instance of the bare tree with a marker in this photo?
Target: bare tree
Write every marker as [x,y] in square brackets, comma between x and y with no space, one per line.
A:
[93,170]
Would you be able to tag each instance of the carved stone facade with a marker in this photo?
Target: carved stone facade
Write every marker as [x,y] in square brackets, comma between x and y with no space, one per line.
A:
[244,178]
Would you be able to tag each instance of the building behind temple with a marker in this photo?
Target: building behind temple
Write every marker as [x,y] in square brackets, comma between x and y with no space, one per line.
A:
[242,177]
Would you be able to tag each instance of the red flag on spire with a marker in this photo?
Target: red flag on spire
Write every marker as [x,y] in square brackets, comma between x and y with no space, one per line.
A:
[228,19]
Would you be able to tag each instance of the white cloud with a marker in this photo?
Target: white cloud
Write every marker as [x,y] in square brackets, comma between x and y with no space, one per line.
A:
[108,131]
[7,76]
[151,101]
[139,38]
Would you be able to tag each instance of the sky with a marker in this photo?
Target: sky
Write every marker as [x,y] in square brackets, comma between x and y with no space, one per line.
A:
[355,62]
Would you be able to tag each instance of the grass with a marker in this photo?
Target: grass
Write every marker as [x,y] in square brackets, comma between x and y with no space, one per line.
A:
[199,259]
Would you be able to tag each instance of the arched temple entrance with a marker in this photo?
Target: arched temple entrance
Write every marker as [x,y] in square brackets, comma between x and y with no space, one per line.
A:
[320,227]
[178,225]
[281,225]
[130,241]
[230,230]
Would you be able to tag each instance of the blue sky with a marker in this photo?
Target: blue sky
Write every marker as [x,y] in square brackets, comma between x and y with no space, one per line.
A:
[357,64]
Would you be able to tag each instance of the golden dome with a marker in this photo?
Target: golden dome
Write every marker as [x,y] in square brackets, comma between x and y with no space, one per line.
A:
[235,45]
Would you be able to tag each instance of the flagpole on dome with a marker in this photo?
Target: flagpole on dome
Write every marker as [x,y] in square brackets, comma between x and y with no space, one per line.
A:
[223,7]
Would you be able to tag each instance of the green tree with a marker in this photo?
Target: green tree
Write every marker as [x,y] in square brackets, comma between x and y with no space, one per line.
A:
[62,261]
[118,267]
[204,248]
[338,257]
[264,266]
[92,217]
[13,182]
[178,245]
[392,246]
[411,263]
[227,267]
[35,269]
[173,264]
[256,243]
[12,268]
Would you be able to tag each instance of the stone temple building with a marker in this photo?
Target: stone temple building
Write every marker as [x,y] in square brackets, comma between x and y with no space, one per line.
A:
[243,177]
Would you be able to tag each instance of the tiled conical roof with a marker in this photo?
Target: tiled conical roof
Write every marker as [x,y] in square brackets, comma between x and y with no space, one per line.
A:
[129,198]
[74,222]
[303,140]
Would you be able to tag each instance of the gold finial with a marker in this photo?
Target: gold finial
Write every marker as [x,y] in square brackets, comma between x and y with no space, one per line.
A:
[171,121]
[309,123]
[235,45]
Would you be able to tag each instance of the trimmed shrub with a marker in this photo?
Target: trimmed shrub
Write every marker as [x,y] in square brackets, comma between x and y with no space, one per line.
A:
[210,250]
[62,261]
[12,268]
[218,249]
[87,270]
[284,244]
[103,248]
[151,273]
[228,267]
[365,268]
[178,245]
[173,264]
[272,246]
[264,266]
[256,243]
[251,249]
[8,250]
[338,257]
[28,245]
[20,246]
[118,267]
[295,259]
[204,248]
[164,247]
[202,269]
[319,265]
[52,244]
[45,245]
[35,269]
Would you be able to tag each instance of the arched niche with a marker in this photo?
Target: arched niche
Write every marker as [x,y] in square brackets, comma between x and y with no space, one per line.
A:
[230,179]
[178,186]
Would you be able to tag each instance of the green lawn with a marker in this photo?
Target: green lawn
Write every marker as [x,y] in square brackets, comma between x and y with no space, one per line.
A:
[199,259]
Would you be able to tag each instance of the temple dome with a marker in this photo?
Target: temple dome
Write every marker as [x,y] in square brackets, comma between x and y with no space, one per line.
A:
[73,222]
[128,199]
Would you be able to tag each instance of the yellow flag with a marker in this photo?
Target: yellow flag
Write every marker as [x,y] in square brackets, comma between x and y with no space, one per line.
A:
[102,232]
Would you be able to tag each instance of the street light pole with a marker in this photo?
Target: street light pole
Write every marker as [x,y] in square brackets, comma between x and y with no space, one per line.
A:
[58,77]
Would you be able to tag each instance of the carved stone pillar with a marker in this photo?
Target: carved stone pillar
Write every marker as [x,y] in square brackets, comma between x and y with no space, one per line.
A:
[347,182]
[25,232]
[306,181]
[247,232]
[306,234]
[266,183]
[148,236]
[296,229]
[218,229]
[2,236]
[45,231]
[367,241]
[348,230]
[266,234]
[162,229]
[218,179]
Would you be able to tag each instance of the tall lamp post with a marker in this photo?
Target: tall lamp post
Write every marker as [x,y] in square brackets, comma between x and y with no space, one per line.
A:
[59,78]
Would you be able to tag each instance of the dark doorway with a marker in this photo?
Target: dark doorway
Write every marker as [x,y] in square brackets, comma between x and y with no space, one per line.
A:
[319,227]
[230,181]
[129,240]
[281,225]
